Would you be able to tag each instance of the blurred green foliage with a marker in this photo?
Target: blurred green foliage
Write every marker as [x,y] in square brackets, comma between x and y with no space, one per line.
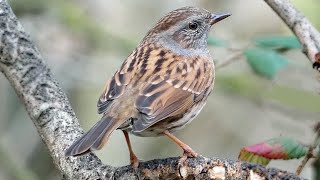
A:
[278,42]
[248,86]
[266,63]
[215,41]
[75,18]
[13,168]
[310,9]
[24,7]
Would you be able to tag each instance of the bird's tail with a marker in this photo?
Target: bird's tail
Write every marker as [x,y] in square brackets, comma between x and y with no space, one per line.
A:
[95,138]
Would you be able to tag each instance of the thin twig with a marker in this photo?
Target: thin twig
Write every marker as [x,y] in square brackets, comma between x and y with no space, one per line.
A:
[231,59]
[308,156]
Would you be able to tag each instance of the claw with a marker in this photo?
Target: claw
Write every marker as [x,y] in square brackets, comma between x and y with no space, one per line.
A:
[188,153]
[182,160]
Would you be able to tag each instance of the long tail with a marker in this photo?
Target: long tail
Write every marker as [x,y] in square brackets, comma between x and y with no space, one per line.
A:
[95,138]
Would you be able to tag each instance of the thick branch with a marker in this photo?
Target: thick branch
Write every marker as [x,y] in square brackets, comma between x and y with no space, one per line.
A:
[307,34]
[51,113]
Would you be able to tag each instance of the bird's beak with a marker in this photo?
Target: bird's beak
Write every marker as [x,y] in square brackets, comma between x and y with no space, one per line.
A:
[218,17]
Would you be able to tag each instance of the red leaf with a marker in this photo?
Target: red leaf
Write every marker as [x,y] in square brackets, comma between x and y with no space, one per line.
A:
[276,148]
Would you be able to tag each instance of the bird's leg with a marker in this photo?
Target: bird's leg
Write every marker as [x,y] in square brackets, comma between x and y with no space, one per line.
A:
[133,158]
[187,151]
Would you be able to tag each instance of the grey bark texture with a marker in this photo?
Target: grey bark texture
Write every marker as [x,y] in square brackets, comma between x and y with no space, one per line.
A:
[51,113]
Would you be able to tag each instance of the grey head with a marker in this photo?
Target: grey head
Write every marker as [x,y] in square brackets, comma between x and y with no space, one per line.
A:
[184,30]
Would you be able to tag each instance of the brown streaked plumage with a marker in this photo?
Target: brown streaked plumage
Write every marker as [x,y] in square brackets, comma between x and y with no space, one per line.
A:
[161,86]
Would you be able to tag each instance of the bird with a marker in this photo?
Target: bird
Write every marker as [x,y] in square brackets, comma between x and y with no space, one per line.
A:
[161,86]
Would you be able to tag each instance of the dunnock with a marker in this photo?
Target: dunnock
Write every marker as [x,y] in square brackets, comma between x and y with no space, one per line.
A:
[161,86]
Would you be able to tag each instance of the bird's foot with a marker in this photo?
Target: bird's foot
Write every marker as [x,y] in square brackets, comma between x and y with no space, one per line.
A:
[134,161]
[187,152]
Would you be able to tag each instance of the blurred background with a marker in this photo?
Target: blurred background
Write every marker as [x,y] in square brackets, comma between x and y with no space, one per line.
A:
[84,42]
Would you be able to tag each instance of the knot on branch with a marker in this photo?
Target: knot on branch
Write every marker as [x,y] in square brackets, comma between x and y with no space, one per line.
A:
[316,64]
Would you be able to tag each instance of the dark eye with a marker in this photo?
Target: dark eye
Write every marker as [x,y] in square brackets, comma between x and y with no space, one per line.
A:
[193,25]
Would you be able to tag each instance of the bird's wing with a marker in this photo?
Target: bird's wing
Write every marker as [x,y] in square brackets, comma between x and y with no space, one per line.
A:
[173,89]
[95,138]
[117,86]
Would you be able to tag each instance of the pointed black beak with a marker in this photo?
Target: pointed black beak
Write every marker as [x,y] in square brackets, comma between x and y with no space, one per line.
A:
[218,17]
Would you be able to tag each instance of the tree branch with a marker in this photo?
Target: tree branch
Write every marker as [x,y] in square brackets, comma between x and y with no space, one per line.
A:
[51,113]
[307,34]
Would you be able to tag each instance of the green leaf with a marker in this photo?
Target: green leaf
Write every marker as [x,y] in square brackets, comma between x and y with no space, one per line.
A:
[276,148]
[214,41]
[278,42]
[266,63]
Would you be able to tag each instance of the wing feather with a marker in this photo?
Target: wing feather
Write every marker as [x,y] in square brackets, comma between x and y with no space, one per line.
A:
[118,84]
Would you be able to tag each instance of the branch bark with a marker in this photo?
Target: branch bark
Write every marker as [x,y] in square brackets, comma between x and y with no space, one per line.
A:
[51,113]
[307,34]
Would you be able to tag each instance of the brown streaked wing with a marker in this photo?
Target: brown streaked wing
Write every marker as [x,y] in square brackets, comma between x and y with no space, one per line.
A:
[118,83]
[170,94]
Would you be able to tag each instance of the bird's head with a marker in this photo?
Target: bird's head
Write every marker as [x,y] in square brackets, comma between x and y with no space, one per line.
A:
[183,29]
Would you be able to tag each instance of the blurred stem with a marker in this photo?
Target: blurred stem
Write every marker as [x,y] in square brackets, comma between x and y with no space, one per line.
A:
[15,171]
[231,59]
[308,156]
[316,164]
[316,167]
[237,54]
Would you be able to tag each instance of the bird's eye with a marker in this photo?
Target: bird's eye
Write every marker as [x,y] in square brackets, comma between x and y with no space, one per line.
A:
[193,25]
